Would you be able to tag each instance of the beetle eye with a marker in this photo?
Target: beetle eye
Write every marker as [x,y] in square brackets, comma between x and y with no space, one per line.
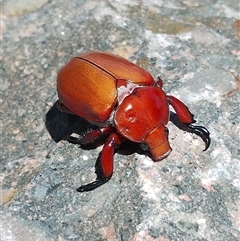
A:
[144,146]
[166,131]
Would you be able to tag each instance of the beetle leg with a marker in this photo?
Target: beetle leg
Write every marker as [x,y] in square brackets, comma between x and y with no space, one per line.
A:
[181,109]
[93,135]
[104,164]
[198,130]
[88,138]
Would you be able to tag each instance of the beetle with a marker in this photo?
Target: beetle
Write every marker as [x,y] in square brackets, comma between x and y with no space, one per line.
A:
[126,103]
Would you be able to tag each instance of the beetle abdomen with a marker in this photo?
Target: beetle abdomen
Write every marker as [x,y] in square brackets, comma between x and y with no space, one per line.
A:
[87,90]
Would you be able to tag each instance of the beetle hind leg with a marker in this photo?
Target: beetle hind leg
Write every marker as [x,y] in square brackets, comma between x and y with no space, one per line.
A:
[104,164]
[200,131]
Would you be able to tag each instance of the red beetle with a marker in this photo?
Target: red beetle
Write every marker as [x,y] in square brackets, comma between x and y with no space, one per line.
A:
[125,102]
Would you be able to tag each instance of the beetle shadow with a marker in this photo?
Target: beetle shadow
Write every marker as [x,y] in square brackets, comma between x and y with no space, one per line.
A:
[61,125]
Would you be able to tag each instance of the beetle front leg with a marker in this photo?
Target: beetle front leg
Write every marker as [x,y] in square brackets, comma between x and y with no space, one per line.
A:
[181,109]
[104,164]
[200,131]
[184,118]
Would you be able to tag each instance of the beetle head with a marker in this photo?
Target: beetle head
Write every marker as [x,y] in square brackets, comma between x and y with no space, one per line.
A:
[157,141]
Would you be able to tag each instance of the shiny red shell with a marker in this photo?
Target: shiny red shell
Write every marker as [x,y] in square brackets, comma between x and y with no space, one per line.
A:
[141,112]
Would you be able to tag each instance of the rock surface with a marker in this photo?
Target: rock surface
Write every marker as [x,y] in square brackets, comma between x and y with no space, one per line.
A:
[191,195]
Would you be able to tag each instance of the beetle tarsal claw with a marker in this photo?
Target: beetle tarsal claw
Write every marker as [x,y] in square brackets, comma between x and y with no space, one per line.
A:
[202,132]
[93,185]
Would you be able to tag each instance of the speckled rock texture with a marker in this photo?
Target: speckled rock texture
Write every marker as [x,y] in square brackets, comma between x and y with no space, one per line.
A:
[191,195]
